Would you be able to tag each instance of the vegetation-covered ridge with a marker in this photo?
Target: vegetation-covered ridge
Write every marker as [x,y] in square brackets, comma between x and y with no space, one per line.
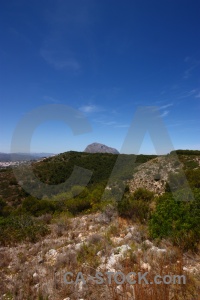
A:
[186,152]
[57,169]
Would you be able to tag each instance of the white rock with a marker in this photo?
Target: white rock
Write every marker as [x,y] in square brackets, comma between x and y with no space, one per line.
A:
[146,266]
[51,256]
[35,275]
[190,269]
[128,236]
[36,286]
[52,252]
[114,258]
[123,248]
[119,289]
[129,295]
[78,246]
[80,286]
[99,253]
[148,243]
[91,227]
[117,240]
[159,250]
[103,259]
[131,229]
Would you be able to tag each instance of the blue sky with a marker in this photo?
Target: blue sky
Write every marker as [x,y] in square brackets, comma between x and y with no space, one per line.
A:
[104,58]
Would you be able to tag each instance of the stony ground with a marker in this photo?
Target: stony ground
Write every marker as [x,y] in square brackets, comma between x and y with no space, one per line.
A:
[102,242]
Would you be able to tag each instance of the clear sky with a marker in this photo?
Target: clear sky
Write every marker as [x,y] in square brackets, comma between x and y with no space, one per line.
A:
[105,58]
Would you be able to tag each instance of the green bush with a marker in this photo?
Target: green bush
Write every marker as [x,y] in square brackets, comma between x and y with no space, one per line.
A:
[193,177]
[136,206]
[176,181]
[185,152]
[14,229]
[80,191]
[77,205]
[2,206]
[38,207]
[177,220]
[88,254]
[143,194]
[191,164]
[5,210]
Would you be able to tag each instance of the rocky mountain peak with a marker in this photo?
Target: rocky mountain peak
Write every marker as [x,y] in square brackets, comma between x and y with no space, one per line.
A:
[100,148]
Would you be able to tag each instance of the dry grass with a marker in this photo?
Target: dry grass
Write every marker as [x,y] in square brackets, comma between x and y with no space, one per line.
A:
[29,272]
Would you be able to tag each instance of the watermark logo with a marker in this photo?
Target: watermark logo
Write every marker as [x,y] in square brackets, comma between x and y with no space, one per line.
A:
[120,278]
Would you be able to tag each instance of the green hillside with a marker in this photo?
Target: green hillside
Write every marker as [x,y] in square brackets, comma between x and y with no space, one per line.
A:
[57,169]
[20,210]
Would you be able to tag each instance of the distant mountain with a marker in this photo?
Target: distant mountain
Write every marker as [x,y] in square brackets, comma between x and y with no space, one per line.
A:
[100,148]
[22,156]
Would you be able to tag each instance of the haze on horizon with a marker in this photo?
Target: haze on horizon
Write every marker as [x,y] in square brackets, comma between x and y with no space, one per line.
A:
[104,59]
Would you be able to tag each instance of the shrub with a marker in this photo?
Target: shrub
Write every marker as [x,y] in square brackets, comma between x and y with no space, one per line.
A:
[5,259]
[191,164]
[15,229]
[46,219]
[2,206]
[143,194]
[176,164]
[94,239]
[66,259]
[136,206]
[62,225]
[113,230]
[88,254]
[193,177]
[176,181]
[178,220]
[38,207]
[77,205]
[138,210]
[80,191]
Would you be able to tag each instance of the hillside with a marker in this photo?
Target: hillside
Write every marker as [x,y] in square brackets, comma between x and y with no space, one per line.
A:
[142,171]
[146,231]
[57,169]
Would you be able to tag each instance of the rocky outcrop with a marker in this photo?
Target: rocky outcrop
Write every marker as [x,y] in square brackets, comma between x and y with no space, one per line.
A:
[100,148]
[154,174]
